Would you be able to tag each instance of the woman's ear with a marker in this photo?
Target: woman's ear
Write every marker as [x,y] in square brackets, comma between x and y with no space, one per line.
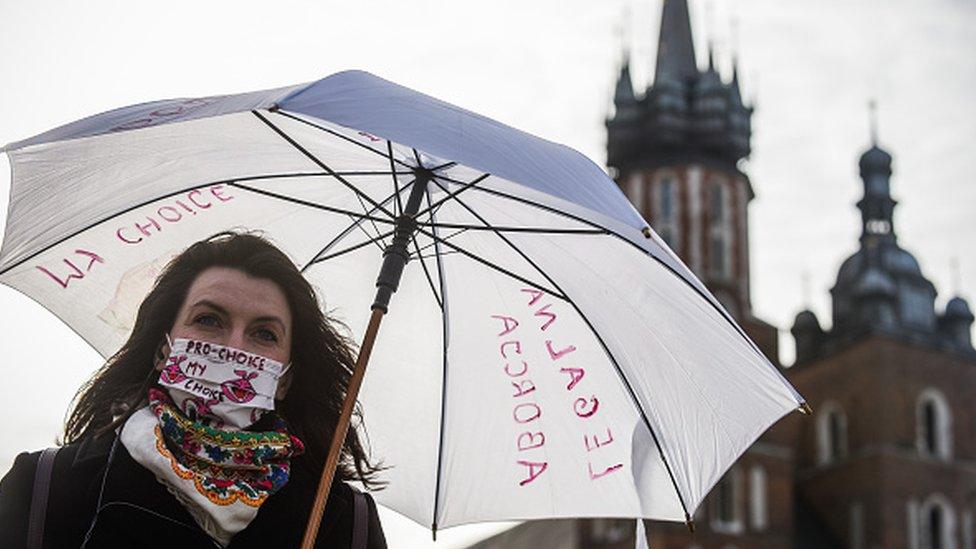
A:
[159,361]
[283,385]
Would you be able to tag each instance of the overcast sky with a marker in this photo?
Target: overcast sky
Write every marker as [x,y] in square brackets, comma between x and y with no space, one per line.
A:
[547,67]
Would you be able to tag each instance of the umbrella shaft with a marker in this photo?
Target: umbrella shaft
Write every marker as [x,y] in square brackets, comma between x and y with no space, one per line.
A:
[394,259]
[396,255]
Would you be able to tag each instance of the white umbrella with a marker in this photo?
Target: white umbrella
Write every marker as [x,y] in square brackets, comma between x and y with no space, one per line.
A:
[546,354]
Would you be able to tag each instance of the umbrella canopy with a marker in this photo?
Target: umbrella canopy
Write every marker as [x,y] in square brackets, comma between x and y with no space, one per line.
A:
[546,355]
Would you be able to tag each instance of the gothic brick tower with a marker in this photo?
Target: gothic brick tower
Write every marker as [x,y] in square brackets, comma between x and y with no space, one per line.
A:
[676,152]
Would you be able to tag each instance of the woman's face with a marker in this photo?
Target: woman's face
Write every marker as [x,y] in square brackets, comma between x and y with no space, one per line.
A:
[229,307]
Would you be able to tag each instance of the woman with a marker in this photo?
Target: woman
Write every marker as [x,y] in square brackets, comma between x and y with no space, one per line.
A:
[210,426]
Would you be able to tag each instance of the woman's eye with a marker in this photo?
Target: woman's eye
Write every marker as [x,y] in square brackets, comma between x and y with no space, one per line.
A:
[266,335]
[207,320]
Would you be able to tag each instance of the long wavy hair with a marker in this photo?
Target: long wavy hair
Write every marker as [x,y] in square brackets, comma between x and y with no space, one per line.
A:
[322,358]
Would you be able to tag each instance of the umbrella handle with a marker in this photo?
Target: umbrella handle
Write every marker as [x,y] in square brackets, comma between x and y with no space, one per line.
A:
[339,437]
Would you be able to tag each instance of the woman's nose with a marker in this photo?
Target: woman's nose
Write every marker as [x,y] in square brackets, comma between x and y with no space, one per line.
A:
[236,339]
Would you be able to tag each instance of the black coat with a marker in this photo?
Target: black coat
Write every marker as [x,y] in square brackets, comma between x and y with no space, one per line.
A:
[138,511]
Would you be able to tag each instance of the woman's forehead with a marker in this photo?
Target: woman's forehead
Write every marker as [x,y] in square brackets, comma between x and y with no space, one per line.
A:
[238,293]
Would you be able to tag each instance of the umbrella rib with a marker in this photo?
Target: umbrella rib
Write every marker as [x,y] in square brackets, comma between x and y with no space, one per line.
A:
[443,166]
[373,223]
[368,172]
[444,342]
[423,264]
[619,236]
[449,252]
[294,200]
[339,135]
[322,258]
[512,229]
[396,185]
[455,233]
[378,239]
[342,234]
[128,209]
[452,194]
[318,162]
[498,268]
[606,349]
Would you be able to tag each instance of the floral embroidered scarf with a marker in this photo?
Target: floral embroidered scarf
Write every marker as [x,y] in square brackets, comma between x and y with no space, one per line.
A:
[221,476]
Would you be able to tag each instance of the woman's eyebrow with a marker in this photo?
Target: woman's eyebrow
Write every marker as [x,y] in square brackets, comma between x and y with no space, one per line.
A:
[212,305]
[272,318]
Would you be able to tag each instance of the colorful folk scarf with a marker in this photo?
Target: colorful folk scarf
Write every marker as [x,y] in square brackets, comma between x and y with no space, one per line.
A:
[221,477]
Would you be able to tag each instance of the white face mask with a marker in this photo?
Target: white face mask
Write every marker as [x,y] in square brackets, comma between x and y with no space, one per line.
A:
[221,386]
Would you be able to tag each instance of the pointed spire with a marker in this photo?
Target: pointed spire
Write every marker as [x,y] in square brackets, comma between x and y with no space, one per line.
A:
[956,278]
[875,160]
[735,93]
[873,121]
[877,206]
[624,92]
[675,48]
[805,282]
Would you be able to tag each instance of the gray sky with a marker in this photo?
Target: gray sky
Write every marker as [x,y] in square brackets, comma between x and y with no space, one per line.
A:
[547,67]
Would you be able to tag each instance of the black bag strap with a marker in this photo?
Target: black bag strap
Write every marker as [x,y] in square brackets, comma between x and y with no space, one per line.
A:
[42,488]
[360,520]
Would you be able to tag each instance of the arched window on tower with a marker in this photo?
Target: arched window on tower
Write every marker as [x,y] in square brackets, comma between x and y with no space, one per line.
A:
[933,420]
[968,531]
[719,230]
[831,434]
[758,506]
[665,218]
[938,523]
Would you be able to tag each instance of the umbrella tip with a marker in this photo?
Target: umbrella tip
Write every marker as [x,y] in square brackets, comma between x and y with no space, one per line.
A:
[805,409]
[433,531]
[274,108]
[690,523]
[647,232]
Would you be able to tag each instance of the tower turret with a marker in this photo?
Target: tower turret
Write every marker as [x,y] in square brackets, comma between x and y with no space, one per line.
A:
[808,335]
[881,288]
[957,323]
[624,127]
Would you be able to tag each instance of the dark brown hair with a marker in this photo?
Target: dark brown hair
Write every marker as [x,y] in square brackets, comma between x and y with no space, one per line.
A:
[322,358]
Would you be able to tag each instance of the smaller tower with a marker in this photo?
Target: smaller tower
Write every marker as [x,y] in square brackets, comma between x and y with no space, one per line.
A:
[881,288]
[808,335]
[957,323]
[624,127]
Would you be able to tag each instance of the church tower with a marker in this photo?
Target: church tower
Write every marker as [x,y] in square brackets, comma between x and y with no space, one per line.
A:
[887,460]
[676,152]
[881,288]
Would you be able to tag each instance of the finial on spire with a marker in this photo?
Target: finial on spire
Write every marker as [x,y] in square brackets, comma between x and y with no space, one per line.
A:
[623,31]
[805,282]
[873,116]
[753,87]
[956,278]
[710,32]
[734,39]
